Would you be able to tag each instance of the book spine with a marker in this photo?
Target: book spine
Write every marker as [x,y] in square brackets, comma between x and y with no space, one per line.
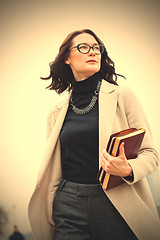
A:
[115,148]
[105,181]
[107,175]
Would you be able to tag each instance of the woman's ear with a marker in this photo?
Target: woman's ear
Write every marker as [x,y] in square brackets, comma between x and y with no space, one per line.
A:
[67,61]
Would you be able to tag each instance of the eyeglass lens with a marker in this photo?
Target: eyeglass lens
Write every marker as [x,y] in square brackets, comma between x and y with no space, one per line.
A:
[85,48]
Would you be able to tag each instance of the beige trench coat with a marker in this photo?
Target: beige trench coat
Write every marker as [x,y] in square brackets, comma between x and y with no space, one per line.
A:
[118,109]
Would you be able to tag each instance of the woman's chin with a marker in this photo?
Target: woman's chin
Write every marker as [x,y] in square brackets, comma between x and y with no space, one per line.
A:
[92,70]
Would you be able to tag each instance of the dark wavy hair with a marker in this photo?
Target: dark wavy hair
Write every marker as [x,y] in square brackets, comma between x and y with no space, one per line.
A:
[61,73]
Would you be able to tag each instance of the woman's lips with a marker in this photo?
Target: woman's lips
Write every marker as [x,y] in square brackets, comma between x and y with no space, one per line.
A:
[91,61]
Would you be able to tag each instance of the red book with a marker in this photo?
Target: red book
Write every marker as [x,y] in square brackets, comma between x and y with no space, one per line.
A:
[132,139]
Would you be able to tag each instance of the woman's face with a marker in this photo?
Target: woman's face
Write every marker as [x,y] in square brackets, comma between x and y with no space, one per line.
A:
[83,65]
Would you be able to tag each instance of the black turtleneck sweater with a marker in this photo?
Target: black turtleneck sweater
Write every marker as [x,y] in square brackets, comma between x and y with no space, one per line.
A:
[79,136]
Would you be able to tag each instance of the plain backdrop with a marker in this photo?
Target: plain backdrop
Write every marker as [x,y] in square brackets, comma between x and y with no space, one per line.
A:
[31,33]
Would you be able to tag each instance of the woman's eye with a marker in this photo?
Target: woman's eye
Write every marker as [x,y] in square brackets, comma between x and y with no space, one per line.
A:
[83,47]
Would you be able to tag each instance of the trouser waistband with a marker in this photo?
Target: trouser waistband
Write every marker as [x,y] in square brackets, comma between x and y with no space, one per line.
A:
[83,190]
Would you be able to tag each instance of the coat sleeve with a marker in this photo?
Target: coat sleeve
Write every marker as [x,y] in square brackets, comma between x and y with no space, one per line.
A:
[147,159]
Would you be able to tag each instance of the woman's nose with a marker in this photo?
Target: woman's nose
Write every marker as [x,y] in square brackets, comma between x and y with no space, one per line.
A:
[91,52]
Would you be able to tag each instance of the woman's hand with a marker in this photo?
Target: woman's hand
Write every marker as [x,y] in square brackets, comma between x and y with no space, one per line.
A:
[116,165]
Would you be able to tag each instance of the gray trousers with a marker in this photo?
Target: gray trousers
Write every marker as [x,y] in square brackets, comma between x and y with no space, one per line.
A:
[84,212]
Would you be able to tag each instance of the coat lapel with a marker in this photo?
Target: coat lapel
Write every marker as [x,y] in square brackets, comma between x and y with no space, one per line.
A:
[107,109]
[50,146]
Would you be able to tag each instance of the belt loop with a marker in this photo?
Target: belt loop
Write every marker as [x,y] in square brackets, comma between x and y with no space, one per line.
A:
[61,185]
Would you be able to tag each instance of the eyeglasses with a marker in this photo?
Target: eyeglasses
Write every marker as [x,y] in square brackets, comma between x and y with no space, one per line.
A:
[85,48]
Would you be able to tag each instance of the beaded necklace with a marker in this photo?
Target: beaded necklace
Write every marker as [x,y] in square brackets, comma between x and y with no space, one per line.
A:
[91,104]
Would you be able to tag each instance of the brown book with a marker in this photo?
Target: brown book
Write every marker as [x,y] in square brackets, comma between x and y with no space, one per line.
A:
[132,139]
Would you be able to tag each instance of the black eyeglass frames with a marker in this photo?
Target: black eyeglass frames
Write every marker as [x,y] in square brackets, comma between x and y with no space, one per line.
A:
[85,48]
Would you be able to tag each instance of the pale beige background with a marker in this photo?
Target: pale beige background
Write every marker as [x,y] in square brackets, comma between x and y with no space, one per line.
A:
[31,33]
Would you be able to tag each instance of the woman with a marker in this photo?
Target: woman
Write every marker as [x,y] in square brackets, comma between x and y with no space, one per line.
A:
[68,202]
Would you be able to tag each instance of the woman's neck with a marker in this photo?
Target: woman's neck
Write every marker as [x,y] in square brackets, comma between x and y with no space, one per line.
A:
[87,85]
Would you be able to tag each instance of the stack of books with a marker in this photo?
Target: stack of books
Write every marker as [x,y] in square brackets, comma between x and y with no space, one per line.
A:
[132,139]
